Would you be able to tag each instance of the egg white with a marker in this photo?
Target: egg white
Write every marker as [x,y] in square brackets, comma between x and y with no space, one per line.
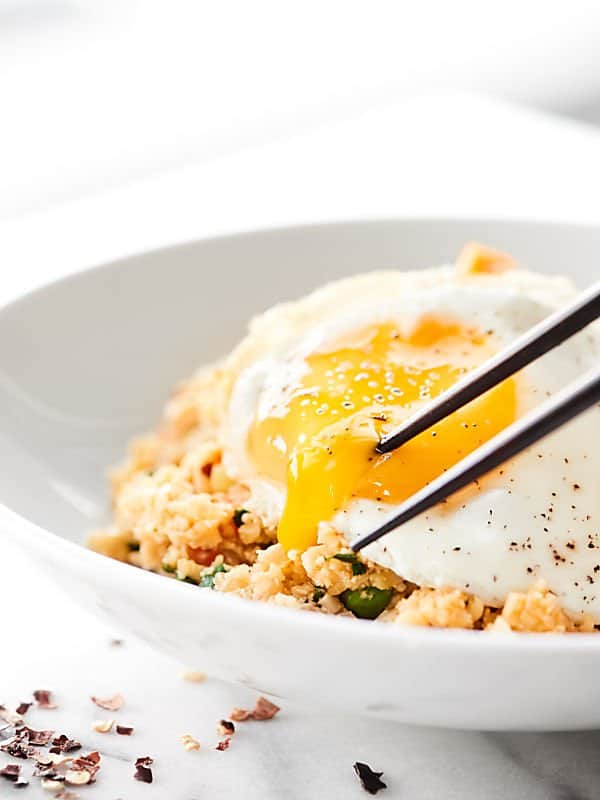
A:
[538,519]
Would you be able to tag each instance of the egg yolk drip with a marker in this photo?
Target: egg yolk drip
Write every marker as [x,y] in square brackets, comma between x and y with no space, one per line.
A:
[321,440]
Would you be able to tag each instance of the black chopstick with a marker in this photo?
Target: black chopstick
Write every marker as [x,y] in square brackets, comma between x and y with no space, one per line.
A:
[543,337]
[556,411]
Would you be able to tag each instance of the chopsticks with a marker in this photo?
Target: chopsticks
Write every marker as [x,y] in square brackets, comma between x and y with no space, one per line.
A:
[562,407]
[555,412]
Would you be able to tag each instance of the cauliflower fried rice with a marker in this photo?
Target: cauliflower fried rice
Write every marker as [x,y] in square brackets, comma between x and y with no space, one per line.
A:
[178,513]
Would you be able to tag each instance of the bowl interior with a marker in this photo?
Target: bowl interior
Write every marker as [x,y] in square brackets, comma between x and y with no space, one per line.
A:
[87,362]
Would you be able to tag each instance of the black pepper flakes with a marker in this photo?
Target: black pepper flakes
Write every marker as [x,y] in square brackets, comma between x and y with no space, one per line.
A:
[370,780]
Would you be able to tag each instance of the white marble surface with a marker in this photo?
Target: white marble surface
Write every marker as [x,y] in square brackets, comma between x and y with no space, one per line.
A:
[489,159]
[299,754]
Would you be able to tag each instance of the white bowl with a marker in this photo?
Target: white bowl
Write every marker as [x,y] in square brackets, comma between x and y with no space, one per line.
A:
[88,361]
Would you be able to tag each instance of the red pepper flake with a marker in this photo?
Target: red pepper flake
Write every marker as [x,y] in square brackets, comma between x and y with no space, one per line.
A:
[23,708]
[263,710]
[11,772]
[240,714]
[225,728]
[143,772]
[370,780]
[40,738]
[113,703]
[22,745]
[62,744]
[44,768]
[224,743]
[19,747]
[124,730]
[86,765]
[44,698]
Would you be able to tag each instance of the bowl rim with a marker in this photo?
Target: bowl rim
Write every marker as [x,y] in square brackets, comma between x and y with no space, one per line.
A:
[16,527]
[300,228]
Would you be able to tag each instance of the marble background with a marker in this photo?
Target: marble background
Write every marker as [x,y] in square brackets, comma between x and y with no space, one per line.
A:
[301,753]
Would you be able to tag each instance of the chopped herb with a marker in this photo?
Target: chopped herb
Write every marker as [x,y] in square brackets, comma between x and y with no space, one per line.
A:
[368,602]
[133,547]
[358,568]
[370,780]
[208,580]
[318,594]
[171,568]
[149,472]
[237,516]
[187,579]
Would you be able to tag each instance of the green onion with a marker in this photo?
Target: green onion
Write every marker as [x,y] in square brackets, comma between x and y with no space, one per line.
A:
[237,516]
[368,602]
[187,579]
[318,594]
[171,568]
[208,581]
[358,568]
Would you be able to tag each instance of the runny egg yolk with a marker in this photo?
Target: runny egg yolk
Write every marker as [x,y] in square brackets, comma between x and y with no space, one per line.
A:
[321,441]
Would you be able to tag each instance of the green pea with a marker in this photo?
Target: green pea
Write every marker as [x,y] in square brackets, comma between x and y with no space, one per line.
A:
[368,602]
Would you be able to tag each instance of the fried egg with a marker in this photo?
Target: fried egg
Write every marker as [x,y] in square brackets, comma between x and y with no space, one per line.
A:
[317,383]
